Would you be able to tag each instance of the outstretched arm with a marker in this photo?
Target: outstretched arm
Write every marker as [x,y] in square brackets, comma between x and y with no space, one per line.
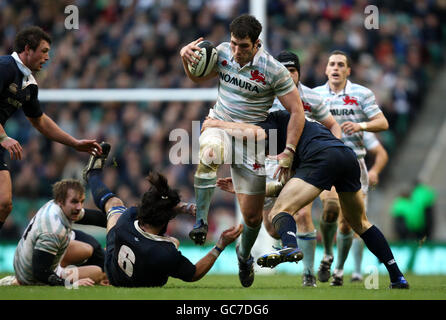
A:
[52,131]
[205,264]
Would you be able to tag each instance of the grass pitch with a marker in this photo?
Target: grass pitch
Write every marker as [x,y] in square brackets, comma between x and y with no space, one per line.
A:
[227,287]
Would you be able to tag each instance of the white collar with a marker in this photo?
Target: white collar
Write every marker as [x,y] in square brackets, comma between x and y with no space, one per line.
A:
[24,69]
[346,90]
[153,236]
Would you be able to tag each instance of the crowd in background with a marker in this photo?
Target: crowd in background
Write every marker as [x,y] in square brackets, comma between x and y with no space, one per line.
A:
[135,44]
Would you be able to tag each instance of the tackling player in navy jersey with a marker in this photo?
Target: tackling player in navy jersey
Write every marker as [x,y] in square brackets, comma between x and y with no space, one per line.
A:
[18,89]
[321,161]
[138,254]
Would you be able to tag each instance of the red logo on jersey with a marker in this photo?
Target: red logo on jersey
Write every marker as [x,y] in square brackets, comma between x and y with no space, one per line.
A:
[224,63]
[257,76]
[350,100]
[307,106]
[256,166]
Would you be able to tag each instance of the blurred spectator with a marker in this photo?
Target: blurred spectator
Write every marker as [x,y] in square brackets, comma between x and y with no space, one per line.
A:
[413,212]
[135,44]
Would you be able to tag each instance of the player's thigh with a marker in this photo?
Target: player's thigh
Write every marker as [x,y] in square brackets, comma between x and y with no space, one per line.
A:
[295,195]
[77,252]
[352,204]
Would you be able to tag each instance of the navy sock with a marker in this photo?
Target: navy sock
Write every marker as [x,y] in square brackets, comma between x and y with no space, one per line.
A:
[99,190]
[377,244]
[286,228]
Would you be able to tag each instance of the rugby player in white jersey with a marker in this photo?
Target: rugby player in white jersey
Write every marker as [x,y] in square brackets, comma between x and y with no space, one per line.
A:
[46,239]
[249,80]
[355,109]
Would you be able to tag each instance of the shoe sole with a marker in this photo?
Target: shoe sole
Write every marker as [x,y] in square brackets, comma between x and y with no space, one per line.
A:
[198,236]
[274,259]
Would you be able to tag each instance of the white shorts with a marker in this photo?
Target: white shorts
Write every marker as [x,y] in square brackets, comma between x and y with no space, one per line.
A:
[247,165]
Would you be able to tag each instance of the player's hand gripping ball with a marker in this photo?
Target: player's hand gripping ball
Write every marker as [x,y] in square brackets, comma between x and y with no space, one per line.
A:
[208,59]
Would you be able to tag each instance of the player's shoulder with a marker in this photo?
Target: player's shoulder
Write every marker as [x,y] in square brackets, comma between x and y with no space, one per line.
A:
[311,93]
[357,88]
[6,60]
[322,89]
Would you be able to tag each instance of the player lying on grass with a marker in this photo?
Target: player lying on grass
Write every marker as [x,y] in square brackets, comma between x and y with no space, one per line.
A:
[321,161]
[138,253]
[45,241]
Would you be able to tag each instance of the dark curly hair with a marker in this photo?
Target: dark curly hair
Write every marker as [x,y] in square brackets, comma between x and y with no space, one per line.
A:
[30,36]
[158,203]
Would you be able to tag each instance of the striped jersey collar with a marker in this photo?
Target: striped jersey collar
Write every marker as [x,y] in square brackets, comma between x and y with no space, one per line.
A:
[347,89]
[254,60]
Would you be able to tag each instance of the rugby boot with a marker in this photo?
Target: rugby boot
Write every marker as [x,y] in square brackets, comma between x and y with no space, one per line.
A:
[287,254]
[245,269]
[96,162]
[199,232]
[337,281]
[309,280]
[323,273]
[400,284]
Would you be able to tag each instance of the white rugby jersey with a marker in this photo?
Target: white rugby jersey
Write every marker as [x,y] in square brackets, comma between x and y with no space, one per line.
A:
[245,94]
[312,102]
[355,103]
[370,140]
[49,230]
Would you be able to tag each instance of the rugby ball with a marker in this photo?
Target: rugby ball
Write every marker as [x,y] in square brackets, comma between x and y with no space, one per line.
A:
[208,59]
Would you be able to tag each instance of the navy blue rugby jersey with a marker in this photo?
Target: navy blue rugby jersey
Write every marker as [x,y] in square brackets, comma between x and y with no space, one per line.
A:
[315,137]
[13,95]
[141,259]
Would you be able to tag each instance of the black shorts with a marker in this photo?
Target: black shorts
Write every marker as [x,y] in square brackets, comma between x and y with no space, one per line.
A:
[334,166]
[3,165]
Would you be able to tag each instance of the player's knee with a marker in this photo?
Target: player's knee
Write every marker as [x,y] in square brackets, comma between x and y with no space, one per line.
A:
[212,154]
[205,171]
[331,210]
[252,220]
[344,227]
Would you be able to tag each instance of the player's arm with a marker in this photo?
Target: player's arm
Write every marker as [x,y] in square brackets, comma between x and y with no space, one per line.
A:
[293,104]
[52,131]
[381,159]
[331,124]
[188,56]
[41,268]
[13,146]
[205,264]
[236,129]
[375,124]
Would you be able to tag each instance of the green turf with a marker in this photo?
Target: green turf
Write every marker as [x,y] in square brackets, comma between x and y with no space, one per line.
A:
[227,287]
